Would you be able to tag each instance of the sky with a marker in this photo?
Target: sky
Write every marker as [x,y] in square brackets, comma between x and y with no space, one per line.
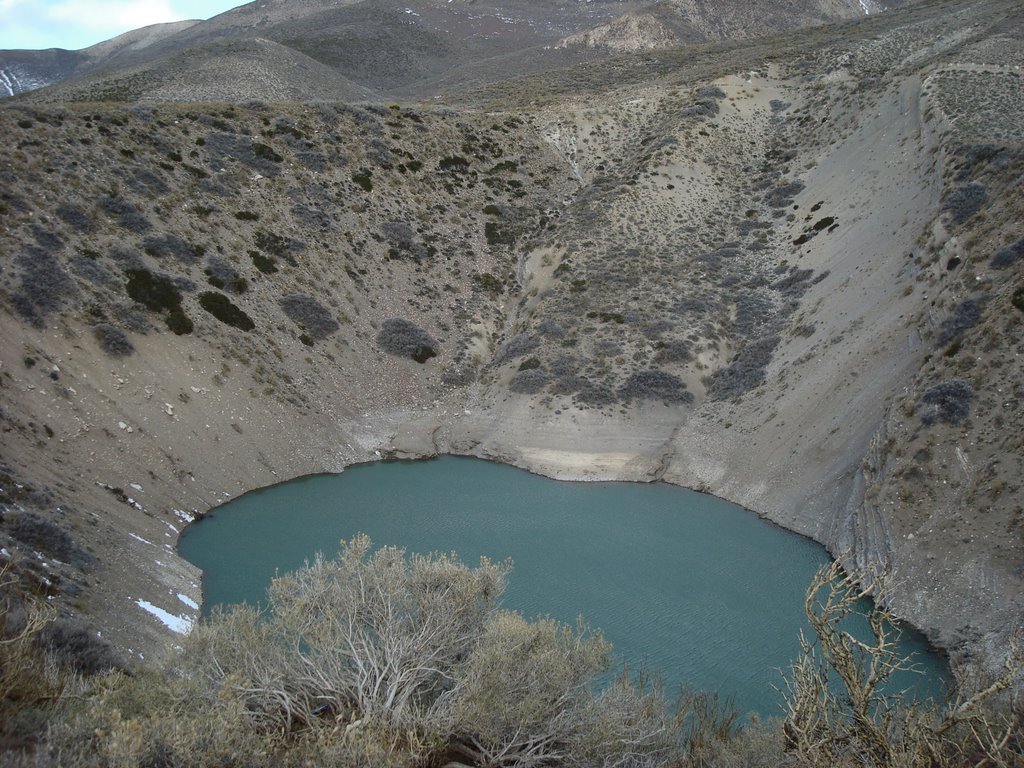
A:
[75,24]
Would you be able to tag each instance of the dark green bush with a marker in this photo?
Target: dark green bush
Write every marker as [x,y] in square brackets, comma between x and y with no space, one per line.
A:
[154,291]
[505,165]
[178,322]
[264,264]
[221,307]
[221,274]
[454,163]
[488,282]
[362,178]
[199,173]
[263,152]
[271,242]
[277,245]
[497,235]
[247,216]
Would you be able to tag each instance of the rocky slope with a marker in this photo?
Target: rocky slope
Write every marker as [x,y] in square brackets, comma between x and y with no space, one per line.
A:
[787,272]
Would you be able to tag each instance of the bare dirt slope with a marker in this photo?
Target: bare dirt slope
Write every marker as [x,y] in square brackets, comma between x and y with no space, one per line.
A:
[786,272]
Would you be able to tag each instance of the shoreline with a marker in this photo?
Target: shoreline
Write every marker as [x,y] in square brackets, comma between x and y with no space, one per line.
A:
[939,652]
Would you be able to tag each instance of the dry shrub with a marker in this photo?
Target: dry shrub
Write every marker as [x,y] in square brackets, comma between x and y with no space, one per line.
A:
[858,723]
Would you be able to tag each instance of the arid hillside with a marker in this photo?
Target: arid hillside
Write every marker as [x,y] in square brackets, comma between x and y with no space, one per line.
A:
[393,50]
[787,271]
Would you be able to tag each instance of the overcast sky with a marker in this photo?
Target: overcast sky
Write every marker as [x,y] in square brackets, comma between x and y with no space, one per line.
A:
[75,24]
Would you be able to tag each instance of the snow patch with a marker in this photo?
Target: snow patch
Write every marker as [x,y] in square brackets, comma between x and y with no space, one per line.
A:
[139,538]
[184,516]
[13,82]
[188,601]
[180,624]
[865,7]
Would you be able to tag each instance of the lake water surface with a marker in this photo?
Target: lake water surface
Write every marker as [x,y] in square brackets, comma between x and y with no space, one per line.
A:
[690,587]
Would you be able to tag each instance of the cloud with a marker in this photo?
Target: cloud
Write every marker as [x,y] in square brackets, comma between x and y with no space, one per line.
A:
[103,15]
[74,24]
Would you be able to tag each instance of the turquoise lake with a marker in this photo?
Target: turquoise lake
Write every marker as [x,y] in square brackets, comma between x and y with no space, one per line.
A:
[689,587]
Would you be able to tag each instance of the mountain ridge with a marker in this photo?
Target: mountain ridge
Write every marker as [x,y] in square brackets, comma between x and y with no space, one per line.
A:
[402,48]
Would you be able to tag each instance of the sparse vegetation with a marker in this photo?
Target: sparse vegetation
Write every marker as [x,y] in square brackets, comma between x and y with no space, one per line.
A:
[529,381]
[965,315]
[42,535]
[655,385]
[310,315]
[948,402]
[45,284]
[745,371]
[1008,255]
[172,246]
[406,339]
[515,347]
[112,340]
[965,201]
[220,273]
[126,214]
